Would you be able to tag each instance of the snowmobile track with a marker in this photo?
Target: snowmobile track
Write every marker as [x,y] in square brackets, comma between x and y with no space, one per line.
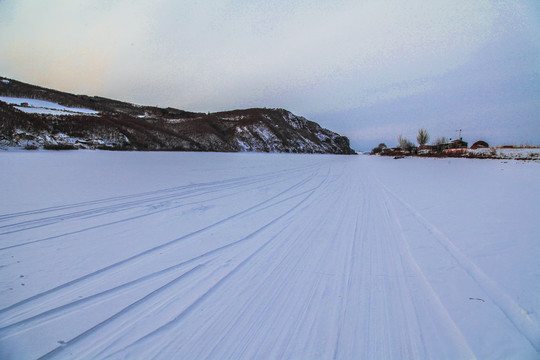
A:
[311,257]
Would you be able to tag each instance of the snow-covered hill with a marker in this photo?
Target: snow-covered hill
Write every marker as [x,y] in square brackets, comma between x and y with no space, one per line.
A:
[37,117]
[248,256]
[34,106]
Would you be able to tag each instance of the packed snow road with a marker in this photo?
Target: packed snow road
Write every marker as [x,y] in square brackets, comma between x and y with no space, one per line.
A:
[250,256]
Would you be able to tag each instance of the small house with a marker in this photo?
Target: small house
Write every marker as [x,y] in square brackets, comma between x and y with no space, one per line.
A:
[457,144]
[480,145]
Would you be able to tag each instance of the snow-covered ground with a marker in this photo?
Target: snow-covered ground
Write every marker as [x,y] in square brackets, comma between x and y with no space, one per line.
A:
[516,153]
[250,256]
[35,106]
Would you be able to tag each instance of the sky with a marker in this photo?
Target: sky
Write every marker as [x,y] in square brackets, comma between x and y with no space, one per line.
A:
[368,69]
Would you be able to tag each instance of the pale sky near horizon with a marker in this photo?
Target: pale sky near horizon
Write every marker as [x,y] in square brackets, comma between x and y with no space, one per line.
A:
[370,69]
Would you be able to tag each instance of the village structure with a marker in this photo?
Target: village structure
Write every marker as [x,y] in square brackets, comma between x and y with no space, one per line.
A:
[440,148]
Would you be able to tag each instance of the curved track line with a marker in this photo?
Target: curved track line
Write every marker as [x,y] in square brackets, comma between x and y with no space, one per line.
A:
[114,222]
[195,187]
[179,318]
[517,315]
[100,211]
[34,321]
[58,351]
[149,251]
[457,334]
[7,331]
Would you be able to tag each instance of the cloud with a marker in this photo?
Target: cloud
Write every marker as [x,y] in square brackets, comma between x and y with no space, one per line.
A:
[68,44]
[365,68]
[220,54]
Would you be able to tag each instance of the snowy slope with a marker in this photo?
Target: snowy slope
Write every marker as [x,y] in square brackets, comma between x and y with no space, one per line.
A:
[35,106]
[197,255]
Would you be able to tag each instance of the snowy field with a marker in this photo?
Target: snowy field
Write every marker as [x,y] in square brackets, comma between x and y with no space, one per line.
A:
[267,256]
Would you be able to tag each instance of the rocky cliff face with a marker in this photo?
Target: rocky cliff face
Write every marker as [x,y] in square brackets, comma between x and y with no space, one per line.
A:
[37,117]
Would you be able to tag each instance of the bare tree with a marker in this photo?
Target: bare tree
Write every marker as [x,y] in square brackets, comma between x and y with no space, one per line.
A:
[422,137]
[440,141]
[405,143]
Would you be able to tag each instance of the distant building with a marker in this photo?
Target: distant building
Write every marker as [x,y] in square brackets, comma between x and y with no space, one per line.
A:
[445,147]
[457,144]
[480,145]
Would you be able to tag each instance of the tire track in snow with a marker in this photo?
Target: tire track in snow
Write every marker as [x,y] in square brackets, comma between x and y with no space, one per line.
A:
[396,297]
[405,300]
[300,270]
[268,285]
[89,348]
[395,314]
[151,213]
[438,310]
[158,348]
[188,190]
[318,262]
[282,303]
[347,286]
[139,306]
[107,210]
[45,316]
[193,187]
[375,294]
[59,291]
[78,305]
[509,307]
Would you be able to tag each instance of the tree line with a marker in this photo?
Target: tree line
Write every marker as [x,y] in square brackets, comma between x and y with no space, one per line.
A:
[422,139]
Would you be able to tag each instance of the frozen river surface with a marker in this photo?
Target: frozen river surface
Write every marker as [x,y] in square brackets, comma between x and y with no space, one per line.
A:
[267,256]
